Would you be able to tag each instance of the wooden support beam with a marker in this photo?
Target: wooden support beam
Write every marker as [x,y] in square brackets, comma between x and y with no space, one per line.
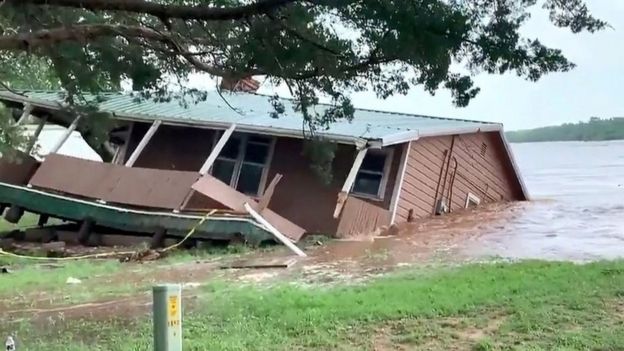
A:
[14,214]
[43,220]
[217,150]
[398,183]
[28,108]
[120,155]
[279,236]
[348,184]
[146,138]
[33,141]
[158,239]
[85,231]
[65,135]
[209,162]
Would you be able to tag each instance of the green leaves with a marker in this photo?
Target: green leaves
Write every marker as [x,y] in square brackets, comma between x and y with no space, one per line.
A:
[320,49]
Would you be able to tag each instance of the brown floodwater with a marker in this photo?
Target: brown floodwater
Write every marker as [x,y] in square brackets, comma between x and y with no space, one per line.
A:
[576,213]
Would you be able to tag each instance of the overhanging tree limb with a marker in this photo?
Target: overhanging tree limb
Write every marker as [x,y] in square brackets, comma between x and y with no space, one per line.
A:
[204,13]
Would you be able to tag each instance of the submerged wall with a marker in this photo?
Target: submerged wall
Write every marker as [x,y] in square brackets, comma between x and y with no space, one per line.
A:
[480,166]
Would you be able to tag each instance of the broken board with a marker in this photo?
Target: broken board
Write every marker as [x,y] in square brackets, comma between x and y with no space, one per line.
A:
[274,262]
[235,200]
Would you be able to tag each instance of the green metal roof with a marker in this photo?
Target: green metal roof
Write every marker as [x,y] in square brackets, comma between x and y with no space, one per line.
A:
[252,112]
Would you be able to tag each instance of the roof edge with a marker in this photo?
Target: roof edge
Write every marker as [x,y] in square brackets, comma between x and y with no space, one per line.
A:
[46,104]
[514,165]
[404,137]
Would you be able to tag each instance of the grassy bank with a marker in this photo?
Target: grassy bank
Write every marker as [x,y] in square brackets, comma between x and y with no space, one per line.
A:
[521,306]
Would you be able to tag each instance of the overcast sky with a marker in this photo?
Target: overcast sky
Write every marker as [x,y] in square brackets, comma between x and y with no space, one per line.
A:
[594,88]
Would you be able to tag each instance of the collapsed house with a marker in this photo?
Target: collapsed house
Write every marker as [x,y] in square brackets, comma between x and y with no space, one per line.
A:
[174,164]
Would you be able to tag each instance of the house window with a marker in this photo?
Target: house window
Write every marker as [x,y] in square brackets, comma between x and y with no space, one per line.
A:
[243,162]
[472,200]
[372,177]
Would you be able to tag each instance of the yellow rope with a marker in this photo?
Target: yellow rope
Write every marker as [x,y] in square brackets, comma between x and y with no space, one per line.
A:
[191,232]
[109,254]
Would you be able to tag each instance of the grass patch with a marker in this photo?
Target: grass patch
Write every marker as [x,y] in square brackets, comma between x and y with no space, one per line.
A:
[28,220]
[510,306]
[30,280]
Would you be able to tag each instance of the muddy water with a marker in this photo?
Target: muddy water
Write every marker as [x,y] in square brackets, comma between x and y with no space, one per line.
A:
[577,210]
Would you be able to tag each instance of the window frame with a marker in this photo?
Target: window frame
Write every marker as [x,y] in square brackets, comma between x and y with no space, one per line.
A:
[240,159]
[472,199]
[381,191]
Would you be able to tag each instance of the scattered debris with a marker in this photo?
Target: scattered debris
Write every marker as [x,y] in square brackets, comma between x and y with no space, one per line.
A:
[141,256]
[50,265]
[54,246]
[73,281]
[5,270]
[191,285]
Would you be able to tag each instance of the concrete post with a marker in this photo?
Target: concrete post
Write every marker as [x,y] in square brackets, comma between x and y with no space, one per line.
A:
[167,317]
[9,344]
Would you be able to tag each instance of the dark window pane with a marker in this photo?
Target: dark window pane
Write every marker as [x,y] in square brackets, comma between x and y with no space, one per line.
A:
[249,179]
[223,170]
[230,150]
[256,153]
[259,139]
[374,162]
[366,183]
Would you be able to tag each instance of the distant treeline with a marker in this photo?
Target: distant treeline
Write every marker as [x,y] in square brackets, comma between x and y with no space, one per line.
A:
[595,129]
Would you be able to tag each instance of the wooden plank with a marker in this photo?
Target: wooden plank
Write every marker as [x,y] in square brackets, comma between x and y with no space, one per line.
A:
[120,155]
[230,198]
[217,150]
[279,236]
[355,168]
[28,108]
[65,135]
[146,138]
[33,140]
[398,183]
[348,184]
[277,262]
[268,193]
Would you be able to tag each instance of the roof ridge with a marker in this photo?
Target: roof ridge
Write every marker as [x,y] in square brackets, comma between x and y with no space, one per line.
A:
[393,112]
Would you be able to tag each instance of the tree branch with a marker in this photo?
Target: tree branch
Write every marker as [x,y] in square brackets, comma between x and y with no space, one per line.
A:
[83,33]
[162,11]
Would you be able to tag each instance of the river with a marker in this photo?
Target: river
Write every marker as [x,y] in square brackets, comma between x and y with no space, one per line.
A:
[576,212]
[577,207]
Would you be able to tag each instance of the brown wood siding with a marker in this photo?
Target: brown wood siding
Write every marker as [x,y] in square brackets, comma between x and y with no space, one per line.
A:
[173,148]
[360,217]
[489,176]
[299,197]
[303,199]
[17,170]
[144,187]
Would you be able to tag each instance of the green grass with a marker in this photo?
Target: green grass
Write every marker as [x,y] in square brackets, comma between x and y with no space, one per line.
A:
[28,220]
[507,306]
[30,280]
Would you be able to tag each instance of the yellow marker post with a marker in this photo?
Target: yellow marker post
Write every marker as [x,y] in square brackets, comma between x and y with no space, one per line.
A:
[167,310]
